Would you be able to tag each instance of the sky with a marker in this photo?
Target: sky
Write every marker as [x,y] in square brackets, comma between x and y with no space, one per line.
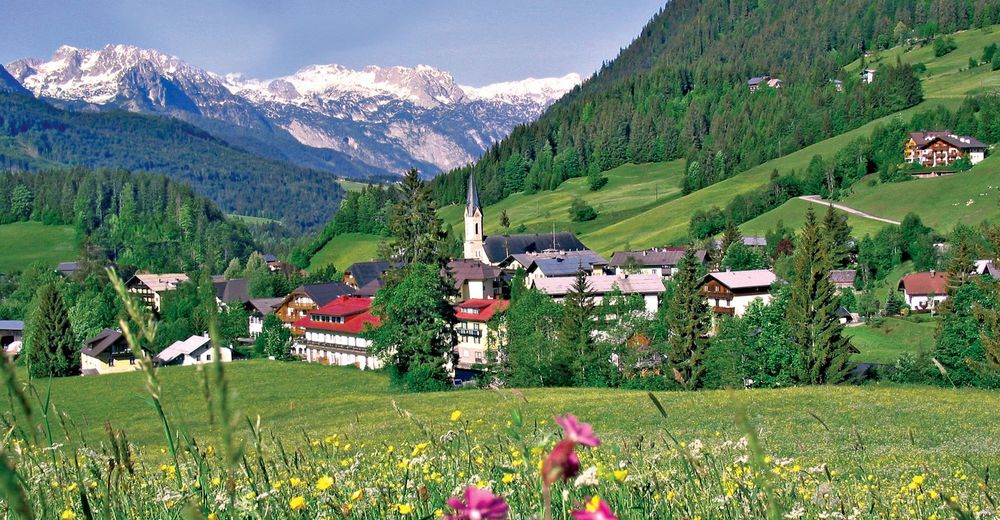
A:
[479,42]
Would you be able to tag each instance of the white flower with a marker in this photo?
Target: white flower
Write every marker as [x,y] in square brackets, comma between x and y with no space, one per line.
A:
[796,512]
[587,478]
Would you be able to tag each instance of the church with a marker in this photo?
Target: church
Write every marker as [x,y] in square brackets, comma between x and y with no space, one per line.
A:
[493,250]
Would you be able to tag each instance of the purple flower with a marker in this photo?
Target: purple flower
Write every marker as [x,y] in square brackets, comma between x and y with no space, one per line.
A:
[578,432]
[595,509]
[561,464]
[479,504]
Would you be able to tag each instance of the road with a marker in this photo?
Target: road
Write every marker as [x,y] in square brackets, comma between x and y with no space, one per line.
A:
[816,200]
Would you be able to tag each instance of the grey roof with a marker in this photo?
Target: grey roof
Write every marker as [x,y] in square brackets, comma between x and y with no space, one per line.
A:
[269,258]
[463,270]
[749,241]
[472,197]
[666,257]
[843,276]
[68,267]
[265,306]
[757,80]
[751,279]
[182,348]
[961,142]
[603,284]
[324,293]
[369,289]
[236,290]
[11,325]
[365,272]
[98,344]
[499,247]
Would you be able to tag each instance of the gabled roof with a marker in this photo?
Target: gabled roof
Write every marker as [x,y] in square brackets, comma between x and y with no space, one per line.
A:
[750,279]
[264,306]
[369,289]
[464,270]
[472,197]
[482,310]
[499,247]
[269,258]
[96,345]
[560,263]
[757,80]
[962,142]
[922,284]
[602,284]
[982,267]
[11,325]
[159,282]
[68,267]
[324,293]
[355,311]
[657,257]
[364,272]
[228,291]
[845,276]
[182,348]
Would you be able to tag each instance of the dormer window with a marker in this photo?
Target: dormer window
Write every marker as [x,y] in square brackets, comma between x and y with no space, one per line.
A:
[468,310]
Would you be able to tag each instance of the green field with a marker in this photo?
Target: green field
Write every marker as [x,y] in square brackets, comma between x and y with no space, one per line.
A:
[351,185]
[793,215]
[24,243]
[296,398]
[252,220]
[885,342]
[344,250]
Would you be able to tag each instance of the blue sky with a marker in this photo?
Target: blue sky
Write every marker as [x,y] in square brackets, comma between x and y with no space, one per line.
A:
[480,42]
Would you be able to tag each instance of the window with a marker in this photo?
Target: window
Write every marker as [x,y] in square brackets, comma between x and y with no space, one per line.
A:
[208,356]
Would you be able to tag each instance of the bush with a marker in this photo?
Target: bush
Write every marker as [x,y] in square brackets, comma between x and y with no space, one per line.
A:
[580,211]
[596,181]
[943,45]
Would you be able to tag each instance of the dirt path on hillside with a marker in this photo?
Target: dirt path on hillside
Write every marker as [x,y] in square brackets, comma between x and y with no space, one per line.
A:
[816,200]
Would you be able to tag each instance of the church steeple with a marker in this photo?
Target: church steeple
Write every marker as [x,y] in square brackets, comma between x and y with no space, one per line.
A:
[474,238]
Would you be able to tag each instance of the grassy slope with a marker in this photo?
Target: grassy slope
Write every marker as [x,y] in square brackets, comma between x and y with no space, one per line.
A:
[793,215]
[884,344]
[344,250]
[298,397]
[24,243]
[351,185]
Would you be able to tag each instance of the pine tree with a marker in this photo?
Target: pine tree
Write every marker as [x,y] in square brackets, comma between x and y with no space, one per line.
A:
[49,341]
[233,270]
[811,315]
[688,323]
[838,234]
[730,235]
[418,234]
[575,333]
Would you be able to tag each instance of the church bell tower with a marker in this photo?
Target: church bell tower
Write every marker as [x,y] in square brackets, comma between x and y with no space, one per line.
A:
[474,224]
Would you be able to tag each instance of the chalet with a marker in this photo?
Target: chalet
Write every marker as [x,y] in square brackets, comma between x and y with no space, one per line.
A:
[235,291]
[922,292]
[659,261]
[106,353]
[775,83]
[730,292]
[366,277]
[474,280]
[196,350]
[493,250]
[11,334]
[649,286]
[982,267]
[837,84]
[260,308]
[310,297]
[868,75]
[942,148]
[150,287]
[68,269]
[472,329]
[333,333]
[755,82]
[843,278]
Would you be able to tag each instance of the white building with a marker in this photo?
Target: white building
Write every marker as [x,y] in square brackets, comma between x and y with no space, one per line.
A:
[649,286]
[473,330]
[196,350]
[868,75]
[923,292]
[333,334]
[730,292]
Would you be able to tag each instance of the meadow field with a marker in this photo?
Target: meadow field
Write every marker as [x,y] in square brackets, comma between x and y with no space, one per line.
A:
[792,215]
[344,250]
[25,243]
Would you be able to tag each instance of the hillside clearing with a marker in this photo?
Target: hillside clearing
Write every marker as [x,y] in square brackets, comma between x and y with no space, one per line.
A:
[344,250]
[792,215]
[25,243]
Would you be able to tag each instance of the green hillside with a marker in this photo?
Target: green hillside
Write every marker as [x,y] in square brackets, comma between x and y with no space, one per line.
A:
[792,214]
[884,343]
[24,243]
[344,250]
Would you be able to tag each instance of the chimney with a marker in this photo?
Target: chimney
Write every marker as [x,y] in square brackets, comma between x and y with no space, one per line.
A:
[933,272]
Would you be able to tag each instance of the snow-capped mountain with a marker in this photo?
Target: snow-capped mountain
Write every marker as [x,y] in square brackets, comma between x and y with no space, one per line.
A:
[388,118]
[8,83]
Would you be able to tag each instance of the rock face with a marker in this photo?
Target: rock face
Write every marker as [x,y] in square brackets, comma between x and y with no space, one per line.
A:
[385,119]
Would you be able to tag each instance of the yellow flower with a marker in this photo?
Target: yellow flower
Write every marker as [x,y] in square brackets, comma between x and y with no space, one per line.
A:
[456,415]
[671,495]
[295,482]
[507,478]
[216,481]
[67,515]
[404,509]
[918,479]
[594,504]
[324,483]
[297,503]
[357,495]
[213,516]
[621,475]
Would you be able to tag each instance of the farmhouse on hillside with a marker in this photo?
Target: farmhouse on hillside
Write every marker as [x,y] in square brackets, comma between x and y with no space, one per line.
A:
[473,331]
[868,75]
[260,308]
[922,292]
[730,292]
[659,261]
[843,278]
[493,250]
[149,288]
[942,148]
[333,333]
[307,298]
[196,350]
[106,353]
[649,286]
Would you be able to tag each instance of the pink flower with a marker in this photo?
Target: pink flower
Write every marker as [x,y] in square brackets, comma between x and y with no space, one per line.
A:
[578,432]
[596,509]
[561,464]
[479,504]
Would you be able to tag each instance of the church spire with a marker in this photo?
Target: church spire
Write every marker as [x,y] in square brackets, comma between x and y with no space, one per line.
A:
[472,197]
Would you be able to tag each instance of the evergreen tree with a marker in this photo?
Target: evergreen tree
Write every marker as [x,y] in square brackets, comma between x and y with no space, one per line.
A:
[576,333]
[418,234]
[49,341]
[688,323]
[838,234]
[234,270]
[730,235]
[526,354]
[811,315]
[505,222]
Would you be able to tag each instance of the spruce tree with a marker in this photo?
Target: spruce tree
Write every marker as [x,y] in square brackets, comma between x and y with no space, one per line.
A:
[575,338]
[49,341]
[688,323]
[811,315]
[730,235]
[418,234]
[838,234]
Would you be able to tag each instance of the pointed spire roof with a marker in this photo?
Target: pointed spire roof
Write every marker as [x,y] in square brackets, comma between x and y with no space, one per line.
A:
[472,197]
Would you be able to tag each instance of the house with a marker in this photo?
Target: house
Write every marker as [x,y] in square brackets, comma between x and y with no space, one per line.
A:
[868,75]
[473,332]
[774,83]
[843,278]
[749,241]
[987,267]
[366,277]
[232,291]
[475,280]
[493,250]
[754,83]
[548,264]
[649,286]
[310,297]
[11,334]
[922,292]
[837,84]
[659,261]
[259,309]
[68,269]
[196,350]
[106,353]
[730,292]
[150,287]
[333,333]
[942,148]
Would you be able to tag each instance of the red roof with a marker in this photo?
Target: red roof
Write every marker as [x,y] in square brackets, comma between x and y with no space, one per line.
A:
[486,309]
[355,313]
[925,283]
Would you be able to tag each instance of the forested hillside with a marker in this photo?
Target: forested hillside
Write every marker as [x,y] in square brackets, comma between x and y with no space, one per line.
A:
[680,91]
[35,135]
[138,221]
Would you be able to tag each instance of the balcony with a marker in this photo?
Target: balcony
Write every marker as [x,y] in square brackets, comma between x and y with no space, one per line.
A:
[332,347]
